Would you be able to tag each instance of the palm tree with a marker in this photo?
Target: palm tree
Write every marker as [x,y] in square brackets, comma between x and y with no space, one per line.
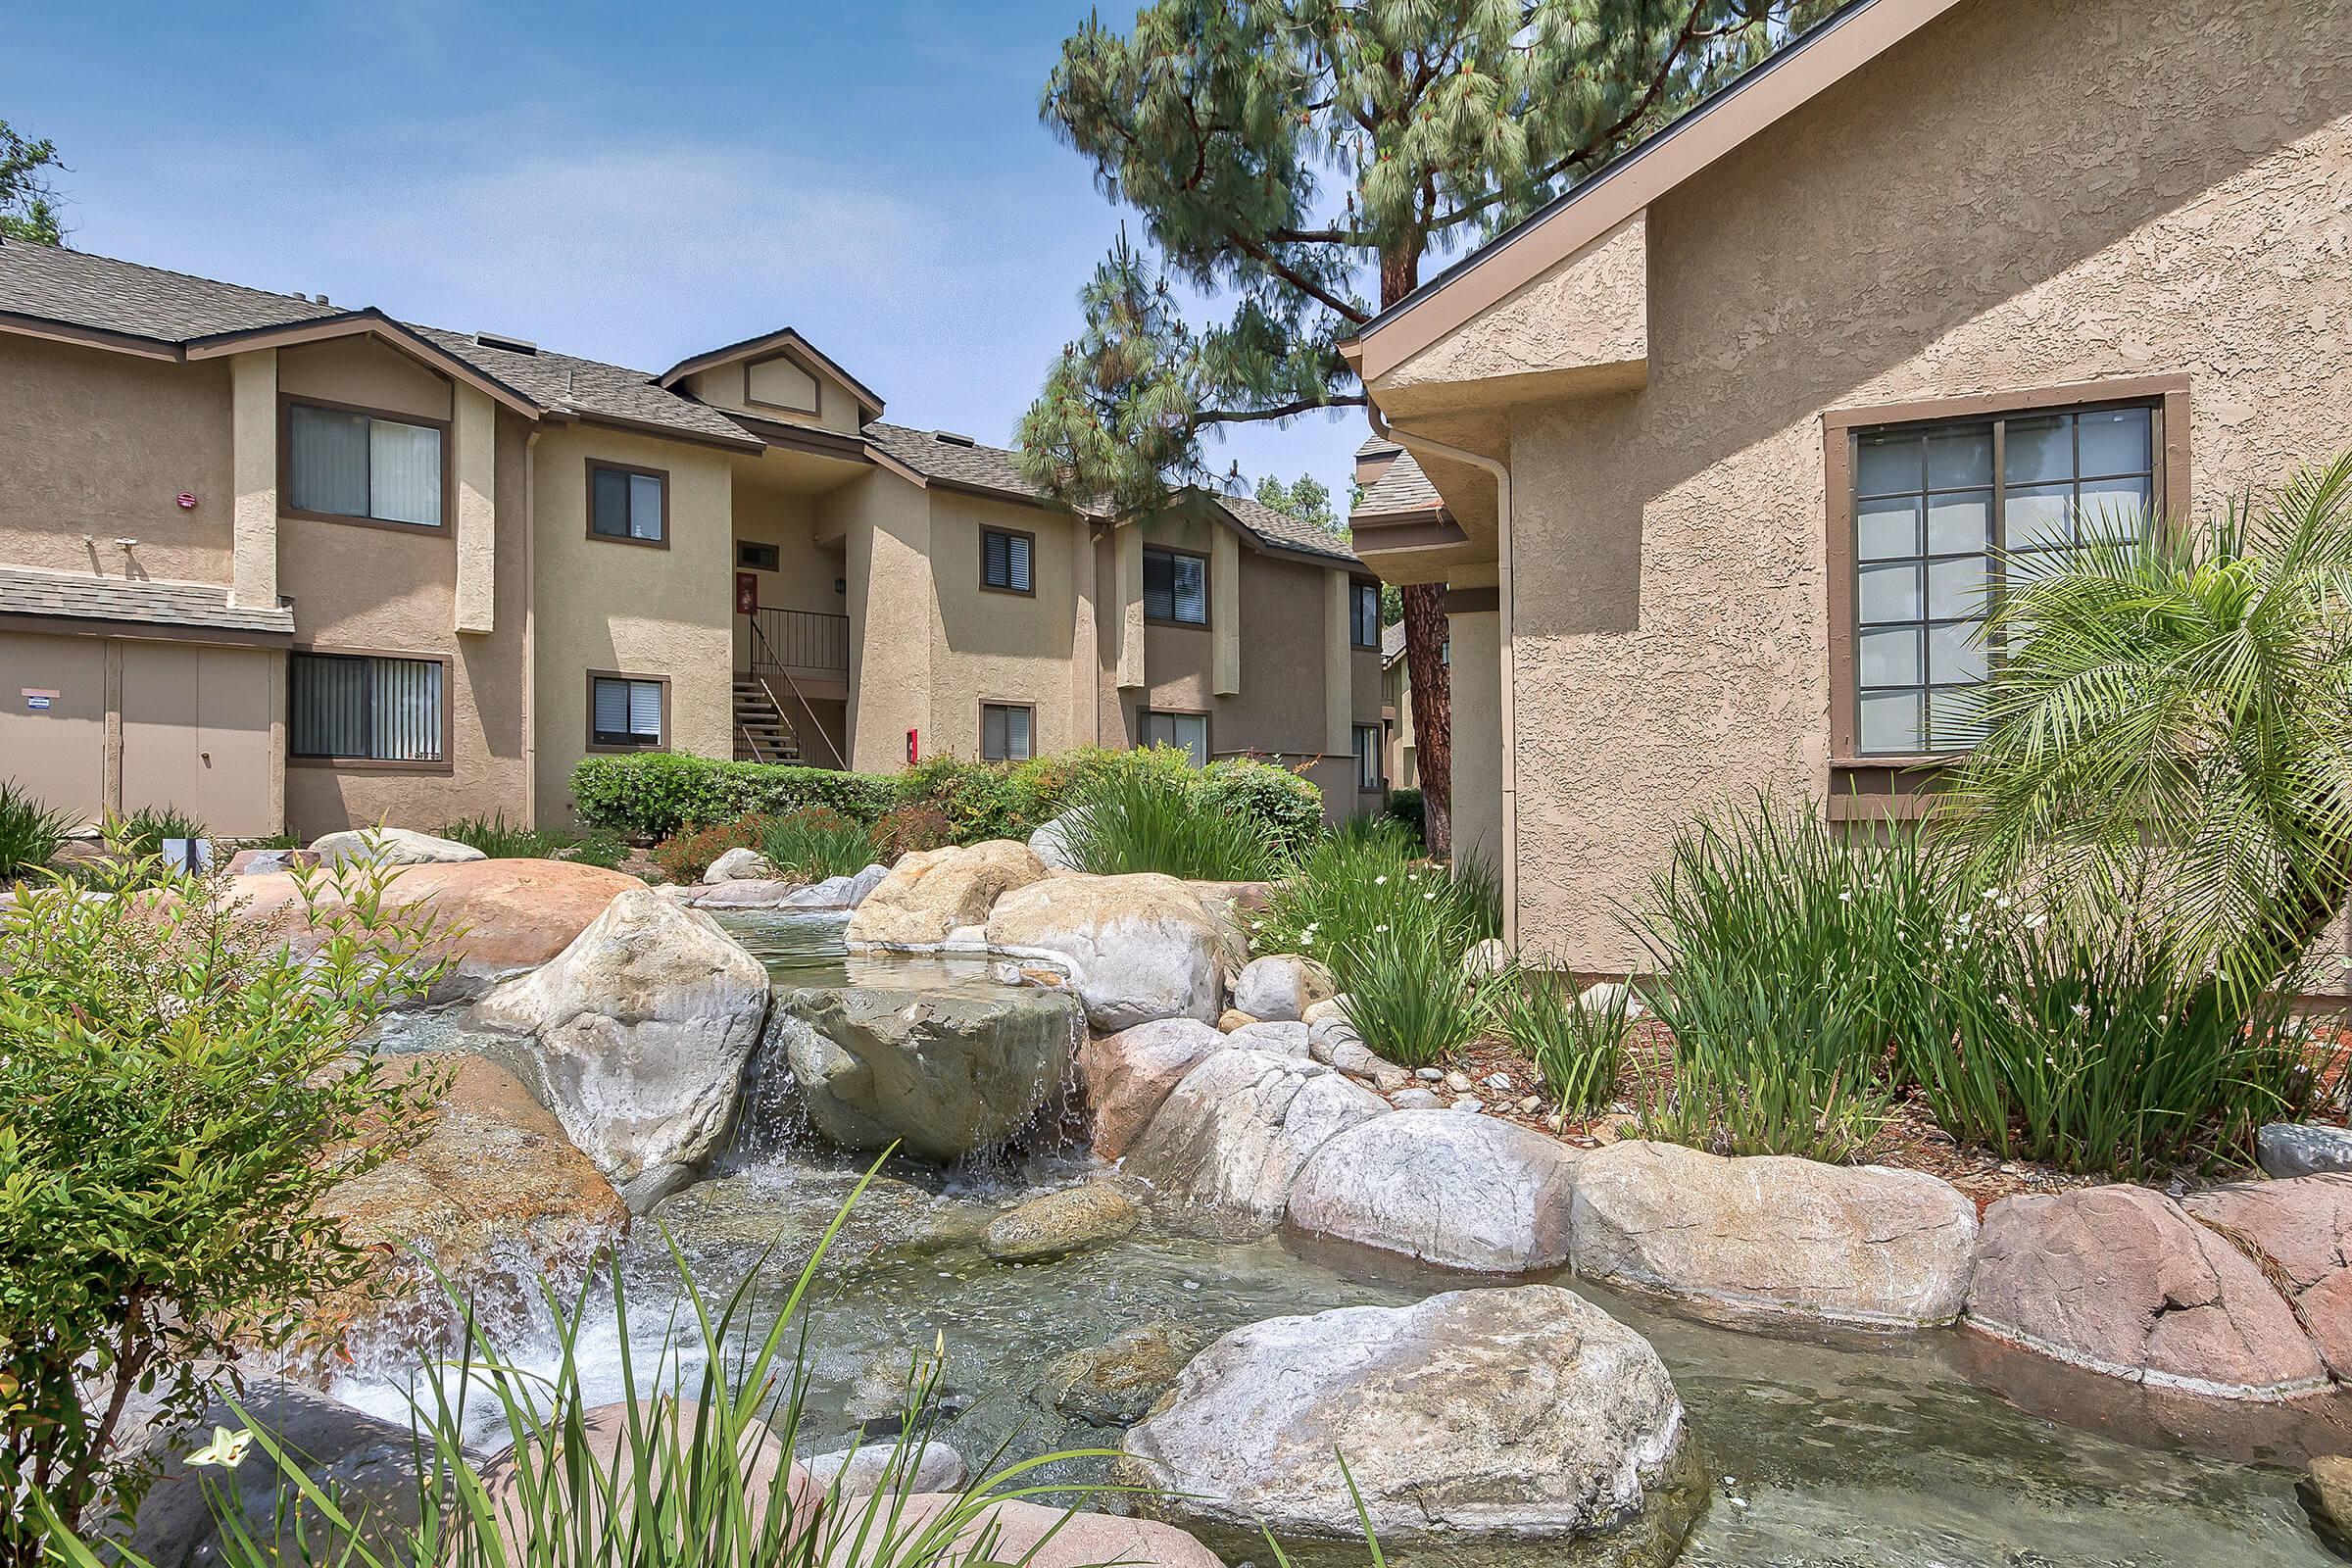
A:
[2175,711]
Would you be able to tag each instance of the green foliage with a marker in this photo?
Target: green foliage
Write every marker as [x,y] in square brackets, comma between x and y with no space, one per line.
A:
[906,828]
[30,833]
[494,838]
[1409,1000]
[811,844]
[176,1093]
[1404,805]
[978,799]
[1276,803]
[1143,819]
[1305,498]
[652,795]
[27,203]
[1579,1047]
[1362,881]
[142,833]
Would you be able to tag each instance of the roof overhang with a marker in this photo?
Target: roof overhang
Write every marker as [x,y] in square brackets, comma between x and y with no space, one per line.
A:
[784,340]
[367,322]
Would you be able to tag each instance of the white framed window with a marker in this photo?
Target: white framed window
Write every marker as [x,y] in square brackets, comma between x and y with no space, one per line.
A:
[362,707]
[1187,732]
[627,712]
[348,463]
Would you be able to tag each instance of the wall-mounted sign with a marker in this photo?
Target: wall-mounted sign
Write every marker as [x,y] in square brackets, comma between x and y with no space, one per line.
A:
[747,593]
[37,701]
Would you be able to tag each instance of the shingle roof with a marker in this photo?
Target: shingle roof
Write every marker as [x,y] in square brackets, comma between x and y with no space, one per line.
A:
[1392,644]
[1375,445]
[587,386]
[80,597]
[955,460]
[1284,531]
[1403,489]
[79,289]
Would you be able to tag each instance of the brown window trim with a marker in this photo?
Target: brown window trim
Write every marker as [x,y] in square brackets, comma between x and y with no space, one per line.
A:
[1208,723]
[816,384]
[285,466]
[589,497]
[988,587]
[447,765]
[1852,772]
[1208,597]
[1373,583]
[595,675]
[987,703]
[1380,758]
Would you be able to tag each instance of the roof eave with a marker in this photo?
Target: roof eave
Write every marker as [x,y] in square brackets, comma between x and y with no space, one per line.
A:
[869,403]
[370,321]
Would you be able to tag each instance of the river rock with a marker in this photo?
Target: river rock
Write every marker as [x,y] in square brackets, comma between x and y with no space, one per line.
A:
[740,865]
[1464,1191]
[2122,1281]
[1060,1223]
[744,892]
[929,893]
[942,1074]
[1050,843]
[1515,1413]
[1230,1136]
[1032,1536]
[1116,1383]
[639,1032]
[1233,1018]
[932,1466]
[1607,994]
[1333,1006]
[2287,1148]
[1861,1245]
[2325,1490]
[1281,986]
[1417,1099]
[1128,1074]
[1274,1039]
[391,845]
[2301,1232]
[838,891]
[1486,959]
[1136,948]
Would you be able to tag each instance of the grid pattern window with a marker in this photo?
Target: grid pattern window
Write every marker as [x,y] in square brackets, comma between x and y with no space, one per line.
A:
[1175,587]
[1187,732]
[1004,562]
[628,504]
[1940,511]
[625,711]
[1006,732]
[354,709]
[345,464]
[1363,615]
[1367,756]
[757,557]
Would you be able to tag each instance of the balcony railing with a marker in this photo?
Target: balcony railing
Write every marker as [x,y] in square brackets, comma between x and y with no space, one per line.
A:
[802,640]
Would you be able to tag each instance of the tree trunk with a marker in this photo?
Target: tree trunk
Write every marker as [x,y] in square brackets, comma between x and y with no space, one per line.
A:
[1433,708]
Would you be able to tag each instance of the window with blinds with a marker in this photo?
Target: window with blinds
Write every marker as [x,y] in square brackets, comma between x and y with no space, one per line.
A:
[1187,732]
[624,711]
[349,708]
[628,504]
[1175,587]
[344,464]
[1005,732]
[1363,615]
[1367,756]
[1004,562]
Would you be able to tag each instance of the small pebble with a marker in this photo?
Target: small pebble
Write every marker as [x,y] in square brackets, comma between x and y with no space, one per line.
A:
[1499,1080]
[1458,1082]
[1471,1103]
[1530,1105]
[1428,1075]
[1192,1284]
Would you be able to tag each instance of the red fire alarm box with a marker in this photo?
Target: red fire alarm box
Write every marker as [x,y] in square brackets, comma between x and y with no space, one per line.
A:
[911,758]
[747,592]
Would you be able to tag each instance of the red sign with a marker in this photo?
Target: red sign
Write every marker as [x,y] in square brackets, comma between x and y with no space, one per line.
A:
[912,759]
[747,592]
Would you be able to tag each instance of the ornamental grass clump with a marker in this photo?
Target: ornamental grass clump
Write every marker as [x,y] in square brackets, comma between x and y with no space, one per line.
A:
[1157,819]
[30,833]
[812,844]
[1365,879]
[1410,1000]
[600,847]
[1577,1045]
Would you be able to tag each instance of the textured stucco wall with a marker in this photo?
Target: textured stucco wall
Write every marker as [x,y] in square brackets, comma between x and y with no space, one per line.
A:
[723,386]
[885,526]
[2022,195]
[990,647]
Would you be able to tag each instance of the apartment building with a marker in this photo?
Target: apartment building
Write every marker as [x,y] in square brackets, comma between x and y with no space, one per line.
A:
[288,566]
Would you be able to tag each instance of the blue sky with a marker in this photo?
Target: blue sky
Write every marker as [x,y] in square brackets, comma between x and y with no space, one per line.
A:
[633,183]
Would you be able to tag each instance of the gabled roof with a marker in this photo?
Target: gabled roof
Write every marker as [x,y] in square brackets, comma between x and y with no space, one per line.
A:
[1392,644]
[1376,446]
[953,461]
[1279,530]
[567,384]
[1404,491]
[73,288]
[782,340]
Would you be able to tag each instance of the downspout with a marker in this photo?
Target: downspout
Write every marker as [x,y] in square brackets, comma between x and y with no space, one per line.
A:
[1510,659]
[531,628]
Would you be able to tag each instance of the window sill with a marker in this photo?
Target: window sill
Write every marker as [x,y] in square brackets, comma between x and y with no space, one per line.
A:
[368,764]
[1176,626]
[362,523]
[1013,593]
[624,750]
[624,539]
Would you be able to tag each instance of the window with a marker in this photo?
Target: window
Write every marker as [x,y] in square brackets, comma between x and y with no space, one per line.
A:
[1187,731]
[1175,587]
[344,462]
[755,556]
[1938,509]
[1004,560]
[1363,615]
[355,708]
[1005,732]
[628,504]
[626,710]
[1367,756]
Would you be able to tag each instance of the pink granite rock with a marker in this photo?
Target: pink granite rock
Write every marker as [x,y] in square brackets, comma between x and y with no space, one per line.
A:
[2303,1226]
[1128,1074]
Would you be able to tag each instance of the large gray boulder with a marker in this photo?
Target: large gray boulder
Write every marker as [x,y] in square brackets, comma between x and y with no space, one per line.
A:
[1771,1234]
[1136,948]
[1523,1413]
[1464,1191]
[2121,1281]
[942,1074]
[930,893]
[638,1032]
[1230,1138]
[1280,987]
[391,845]
[1128,1074]
[2289,1149]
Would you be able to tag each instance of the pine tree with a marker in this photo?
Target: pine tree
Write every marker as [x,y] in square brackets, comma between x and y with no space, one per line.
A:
[1305,159]
[28,205]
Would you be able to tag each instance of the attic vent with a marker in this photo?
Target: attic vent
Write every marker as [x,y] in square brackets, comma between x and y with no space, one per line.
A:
[499,340]
[953,439]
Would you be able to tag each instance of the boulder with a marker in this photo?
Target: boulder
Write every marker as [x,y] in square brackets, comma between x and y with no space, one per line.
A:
[744,892]
[942,1074]
[1281,986]
[1128,1074]
[1060,1223]
[1417,1099]
[1863,1244]
[392,846]
[1233,1018]
[2286,1148]
[1522,1413]
[932,1466]
[255,862]
[1274,1039]
[2325,1490]
[929,893]
[495,1195]
[2300,1231]
[1115,1384]
[1050,843]
[639,1031]
[1464,1191]
[1028,1534]
[2122,1281]
[1486,959]
[740,865]
[1136,948]
[839,892]
[1229,1139]
[1605,994]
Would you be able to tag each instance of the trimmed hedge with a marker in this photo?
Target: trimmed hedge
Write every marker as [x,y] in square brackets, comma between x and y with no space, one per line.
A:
[655,795]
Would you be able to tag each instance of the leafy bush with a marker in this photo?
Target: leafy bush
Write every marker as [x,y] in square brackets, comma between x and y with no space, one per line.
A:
[176,1093]
[685,857]
[1140,821]
[1361,877]
[143,831]
[1411,1000]
[30,833]
[977,799]
[811,845]
[653,795]
[1405,806]
[1578,1046]
[1279,803]
[909,829]
[491,834]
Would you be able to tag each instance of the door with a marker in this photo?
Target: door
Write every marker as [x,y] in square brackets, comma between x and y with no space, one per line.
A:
[53,722]
[196,734]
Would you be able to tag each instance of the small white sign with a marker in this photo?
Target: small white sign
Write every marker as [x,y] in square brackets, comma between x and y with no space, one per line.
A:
[35,700]
[188,854]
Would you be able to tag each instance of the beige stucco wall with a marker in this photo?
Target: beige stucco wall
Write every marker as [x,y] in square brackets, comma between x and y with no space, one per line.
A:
[2024,194]
[991,646]
[885,526]
[723,386]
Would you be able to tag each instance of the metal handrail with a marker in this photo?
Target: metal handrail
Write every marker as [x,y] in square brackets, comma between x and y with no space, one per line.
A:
[816,639]
[760,637]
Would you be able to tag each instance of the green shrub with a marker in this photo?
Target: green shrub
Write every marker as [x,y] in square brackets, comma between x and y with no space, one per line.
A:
[30,833]
[1578,1046]
[143,831]
[1137,819]
[1410,1000]
[653,795]
[1277,802]
[811,845]
[1407,806]
[909,829]
[176,1094]
[977,799]
[1361,876]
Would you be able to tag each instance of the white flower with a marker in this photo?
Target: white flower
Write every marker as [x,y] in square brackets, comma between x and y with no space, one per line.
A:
[1378,929]
[1846,897]
[227,1450]
[1381,881]
[1426,896]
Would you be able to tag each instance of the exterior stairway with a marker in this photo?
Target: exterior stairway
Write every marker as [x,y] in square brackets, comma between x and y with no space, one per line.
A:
[762,734]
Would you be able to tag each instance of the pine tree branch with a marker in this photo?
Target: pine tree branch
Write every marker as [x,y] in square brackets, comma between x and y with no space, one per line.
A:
[1257,416]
